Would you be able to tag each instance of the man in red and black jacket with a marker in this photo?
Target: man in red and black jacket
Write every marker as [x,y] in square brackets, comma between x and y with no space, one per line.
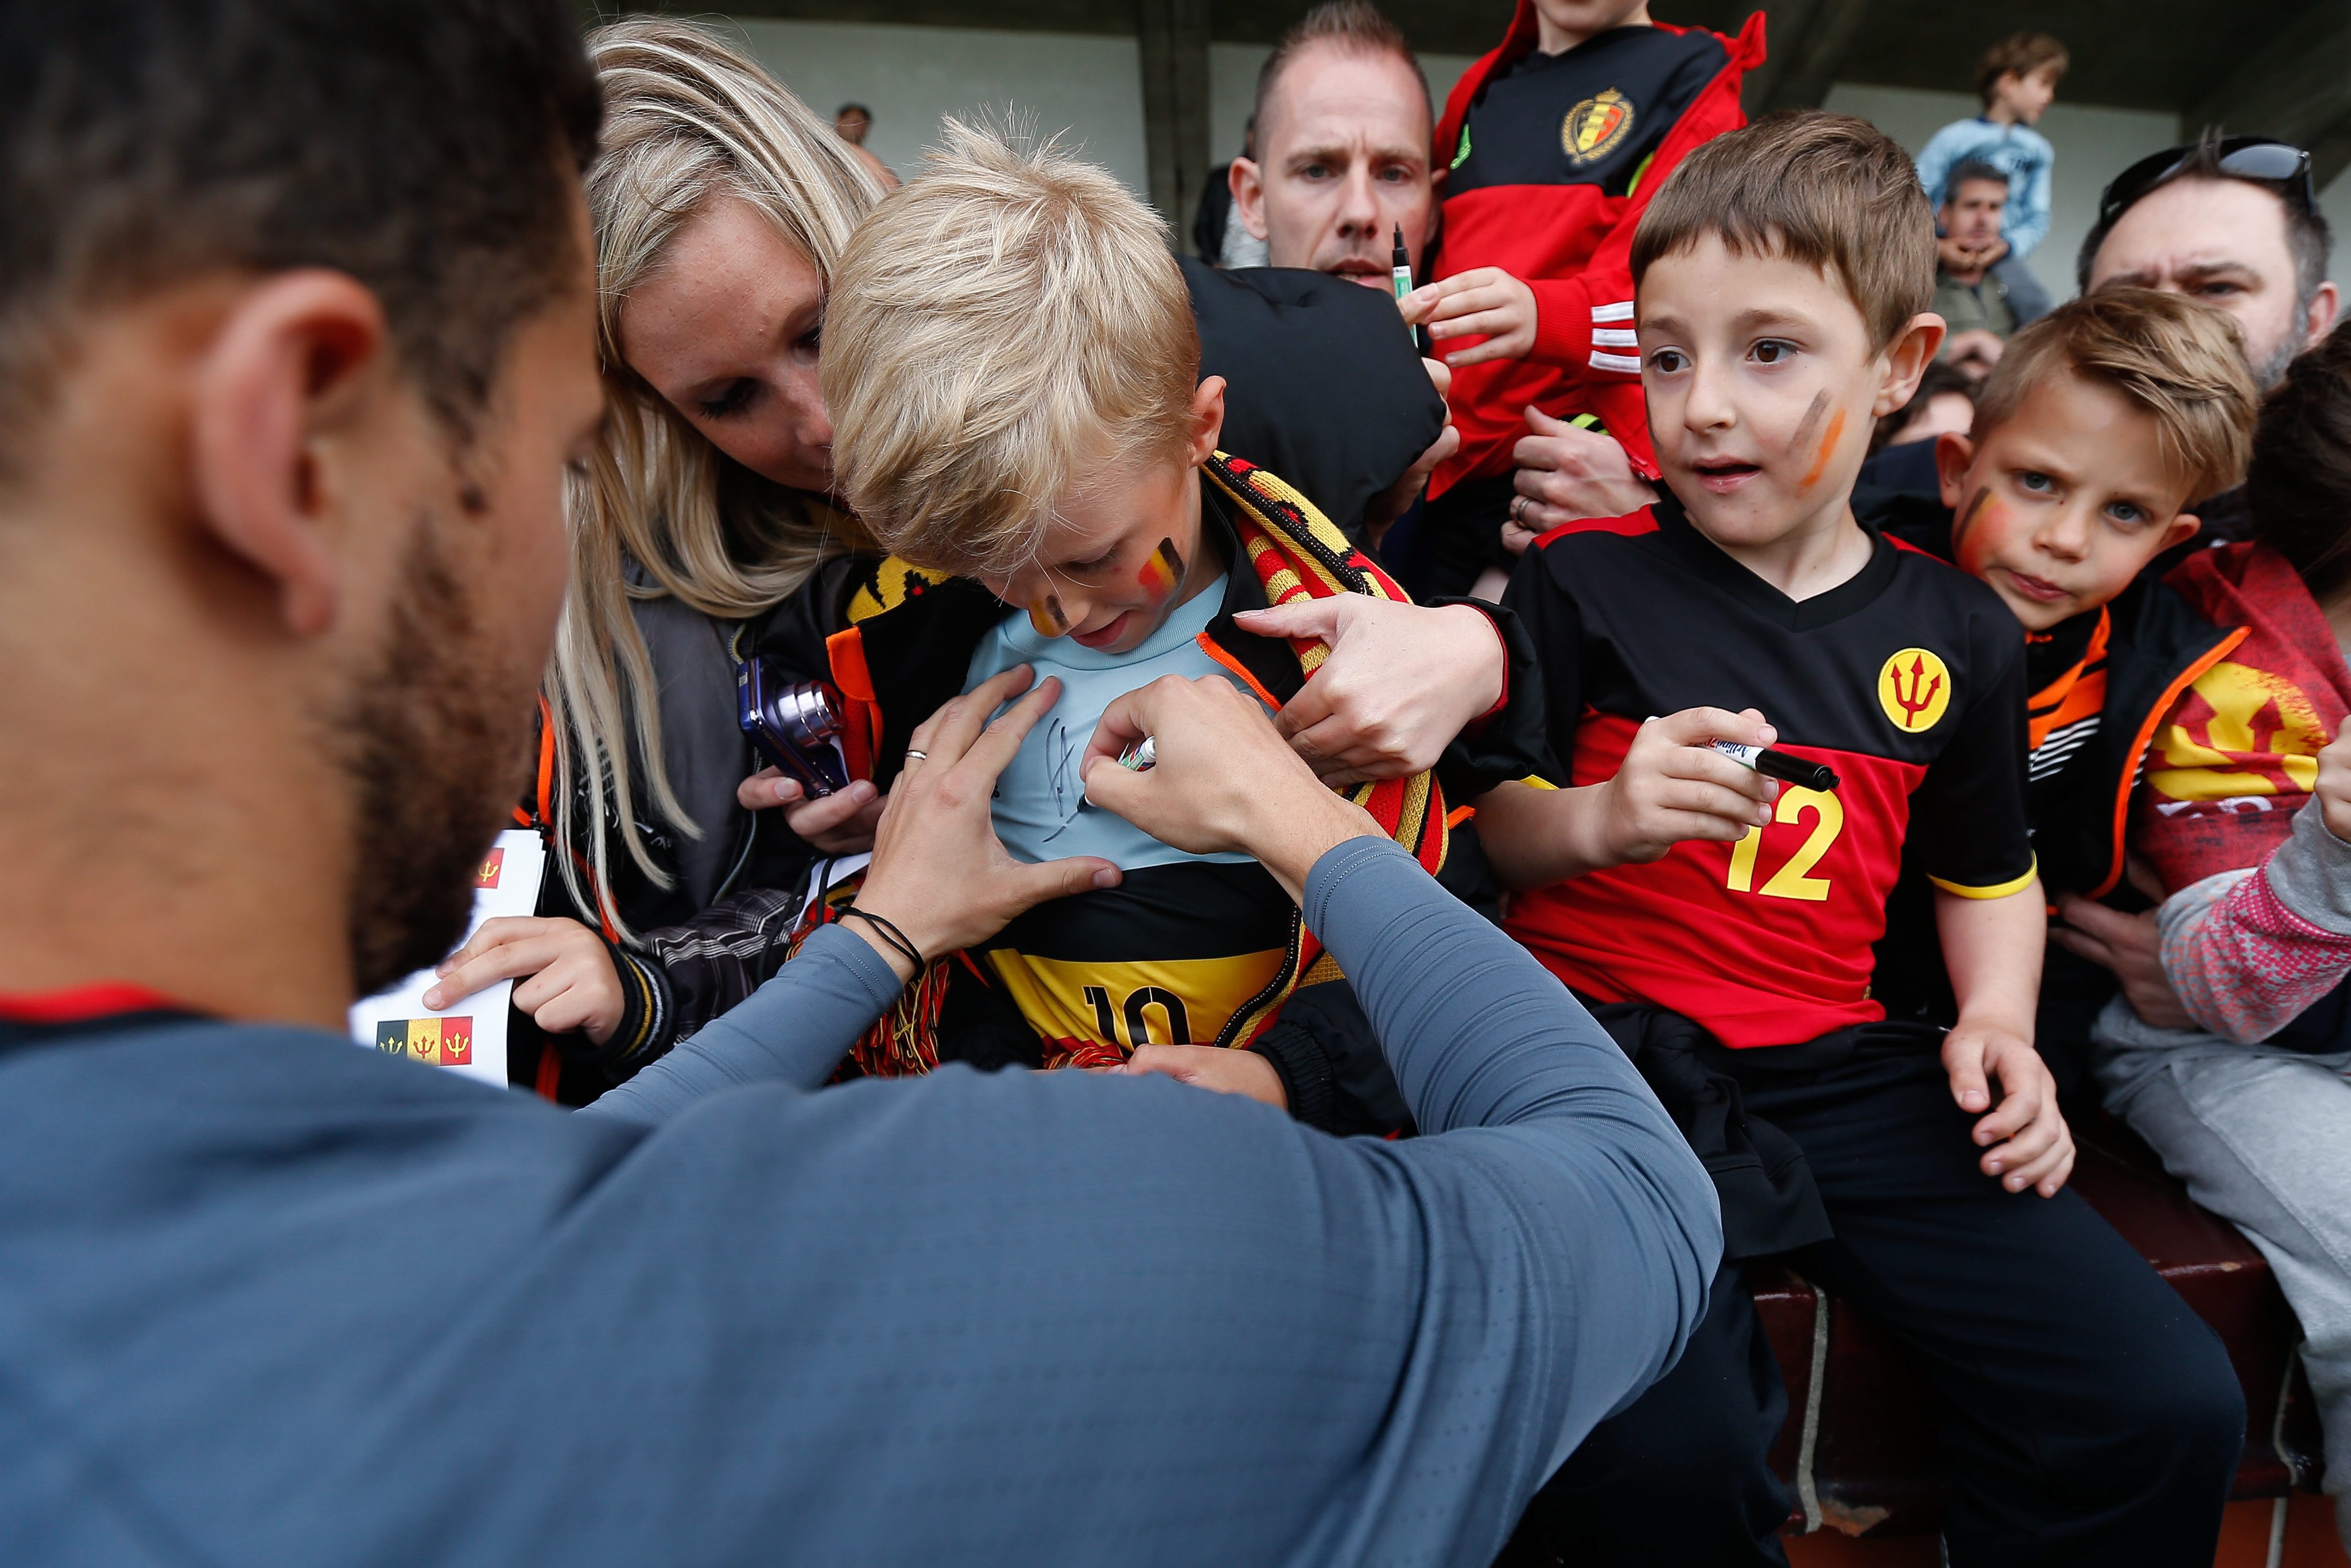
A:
[1552,145]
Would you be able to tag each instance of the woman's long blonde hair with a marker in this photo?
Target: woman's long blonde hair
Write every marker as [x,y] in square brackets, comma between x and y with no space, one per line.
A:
[687,119]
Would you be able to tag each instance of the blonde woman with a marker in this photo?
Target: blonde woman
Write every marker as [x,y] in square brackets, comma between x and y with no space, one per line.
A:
[703,534]
[687,555]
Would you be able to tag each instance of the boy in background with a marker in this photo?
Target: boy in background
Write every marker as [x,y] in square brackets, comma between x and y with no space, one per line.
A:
[1721,923]
[1552,145]
[2105,419]
[2017,80]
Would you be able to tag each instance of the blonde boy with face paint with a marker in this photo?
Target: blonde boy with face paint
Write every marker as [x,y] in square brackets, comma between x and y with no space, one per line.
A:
[1720,924]
[2114,411]
[1012,369]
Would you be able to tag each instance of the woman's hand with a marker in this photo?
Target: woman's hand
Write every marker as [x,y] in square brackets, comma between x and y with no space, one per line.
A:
[842,824]
[1485,301]
[1224,782]
[1566,472]
[1401,681]
[565,974]
[939,874]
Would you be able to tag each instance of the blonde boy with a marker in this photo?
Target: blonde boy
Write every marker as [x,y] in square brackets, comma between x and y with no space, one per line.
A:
[1013,369]
[2103,422]
[1722,925]
[2089,441]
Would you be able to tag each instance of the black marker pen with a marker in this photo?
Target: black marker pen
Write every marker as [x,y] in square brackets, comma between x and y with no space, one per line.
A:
[1773,763]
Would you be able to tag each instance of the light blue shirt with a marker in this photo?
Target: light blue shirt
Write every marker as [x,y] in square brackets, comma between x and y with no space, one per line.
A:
[1040,811]
[2019,152]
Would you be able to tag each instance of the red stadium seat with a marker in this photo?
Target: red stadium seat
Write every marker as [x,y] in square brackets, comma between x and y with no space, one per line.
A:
[1858,1453]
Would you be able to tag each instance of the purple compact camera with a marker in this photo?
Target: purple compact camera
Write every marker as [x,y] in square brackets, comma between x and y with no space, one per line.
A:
[796,725]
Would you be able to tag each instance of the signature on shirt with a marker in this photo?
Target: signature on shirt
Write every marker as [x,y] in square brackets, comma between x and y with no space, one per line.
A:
[1062,753]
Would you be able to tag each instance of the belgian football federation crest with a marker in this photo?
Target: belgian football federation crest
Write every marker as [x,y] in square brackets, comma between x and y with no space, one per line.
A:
[1596,128]
[1914,687]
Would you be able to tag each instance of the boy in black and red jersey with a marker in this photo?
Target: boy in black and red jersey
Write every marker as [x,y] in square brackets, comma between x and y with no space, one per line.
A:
[1721,924]
[1552,145]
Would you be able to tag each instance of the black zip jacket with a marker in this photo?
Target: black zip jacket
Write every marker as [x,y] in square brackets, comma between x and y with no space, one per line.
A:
[2156,646]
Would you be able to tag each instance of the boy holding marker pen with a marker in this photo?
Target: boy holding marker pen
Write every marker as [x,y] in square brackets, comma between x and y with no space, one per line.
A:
[1720,921]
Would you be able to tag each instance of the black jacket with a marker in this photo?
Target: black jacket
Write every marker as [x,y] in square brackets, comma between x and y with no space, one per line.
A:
[2157,646]
[1323,385]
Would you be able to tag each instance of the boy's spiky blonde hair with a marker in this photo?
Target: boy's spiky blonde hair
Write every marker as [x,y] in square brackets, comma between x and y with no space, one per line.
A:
[2180,361]
[1009,324]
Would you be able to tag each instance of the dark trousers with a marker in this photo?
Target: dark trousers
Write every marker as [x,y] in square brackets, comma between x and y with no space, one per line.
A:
[2093,1418]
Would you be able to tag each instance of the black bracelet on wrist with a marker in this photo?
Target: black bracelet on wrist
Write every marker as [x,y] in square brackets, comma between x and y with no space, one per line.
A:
[889,933]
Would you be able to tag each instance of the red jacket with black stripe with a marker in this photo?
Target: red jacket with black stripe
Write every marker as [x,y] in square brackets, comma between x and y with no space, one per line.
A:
[1551,161]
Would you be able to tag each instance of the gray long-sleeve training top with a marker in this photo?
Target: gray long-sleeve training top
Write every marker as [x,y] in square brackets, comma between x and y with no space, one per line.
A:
[269,1298]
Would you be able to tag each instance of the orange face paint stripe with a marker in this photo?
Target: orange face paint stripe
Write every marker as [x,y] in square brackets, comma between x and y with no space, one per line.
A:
[1828,448]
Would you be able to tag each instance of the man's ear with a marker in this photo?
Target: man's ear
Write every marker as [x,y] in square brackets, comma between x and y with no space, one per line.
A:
[1207,419]
[2325,304]
[1247,182]
[1952,454]
[1906,359]
[286,365]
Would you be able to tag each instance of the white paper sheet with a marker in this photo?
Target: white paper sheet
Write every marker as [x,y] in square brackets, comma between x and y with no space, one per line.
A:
[471,1036]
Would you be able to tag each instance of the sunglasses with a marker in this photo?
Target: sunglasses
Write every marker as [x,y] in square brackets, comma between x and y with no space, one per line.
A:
[2255,158]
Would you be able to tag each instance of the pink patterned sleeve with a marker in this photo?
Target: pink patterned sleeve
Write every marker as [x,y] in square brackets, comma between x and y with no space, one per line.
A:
[2248,950]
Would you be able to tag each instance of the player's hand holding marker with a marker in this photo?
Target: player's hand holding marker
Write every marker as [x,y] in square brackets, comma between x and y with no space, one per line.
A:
[1673,786]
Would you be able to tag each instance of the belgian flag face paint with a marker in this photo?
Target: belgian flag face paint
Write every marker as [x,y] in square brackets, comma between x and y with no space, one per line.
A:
[1045,614]
[1162,572]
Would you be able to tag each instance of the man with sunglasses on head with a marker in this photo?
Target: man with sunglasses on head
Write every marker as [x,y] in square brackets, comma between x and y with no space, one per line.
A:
[2233,222]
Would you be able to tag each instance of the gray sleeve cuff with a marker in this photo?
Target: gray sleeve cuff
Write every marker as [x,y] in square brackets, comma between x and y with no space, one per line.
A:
[2311,872]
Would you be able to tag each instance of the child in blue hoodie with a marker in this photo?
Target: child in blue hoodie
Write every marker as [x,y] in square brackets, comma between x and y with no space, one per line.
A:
[2017,80]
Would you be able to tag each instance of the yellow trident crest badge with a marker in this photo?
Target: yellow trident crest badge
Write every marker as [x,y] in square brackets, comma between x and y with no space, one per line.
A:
[1596,128]
[1914,687]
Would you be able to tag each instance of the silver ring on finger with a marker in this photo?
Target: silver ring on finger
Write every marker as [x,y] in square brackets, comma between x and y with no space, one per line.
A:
[914,755]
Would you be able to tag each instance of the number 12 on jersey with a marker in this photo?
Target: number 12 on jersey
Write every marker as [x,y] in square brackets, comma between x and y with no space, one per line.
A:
[1794,878]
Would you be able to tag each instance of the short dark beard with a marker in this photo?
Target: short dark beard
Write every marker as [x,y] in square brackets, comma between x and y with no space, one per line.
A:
[436,761]
[2270,374]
